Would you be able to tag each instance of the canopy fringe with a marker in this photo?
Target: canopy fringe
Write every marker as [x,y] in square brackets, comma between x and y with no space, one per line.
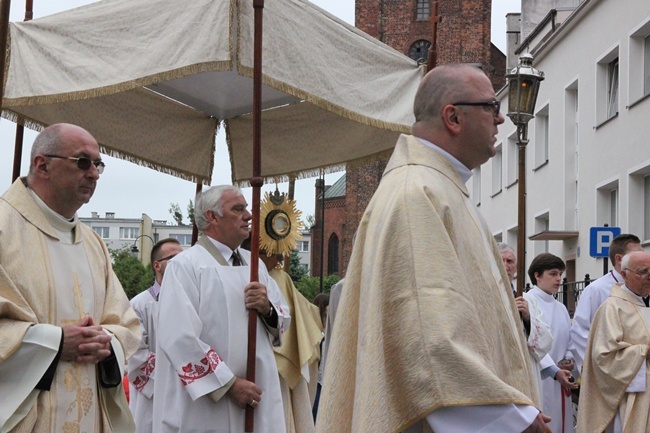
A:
[185,175]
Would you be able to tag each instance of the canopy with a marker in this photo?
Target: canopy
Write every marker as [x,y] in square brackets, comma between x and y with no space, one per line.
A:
[152,79]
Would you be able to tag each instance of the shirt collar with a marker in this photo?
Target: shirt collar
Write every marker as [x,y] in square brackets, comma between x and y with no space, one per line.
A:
[155,290]
[464,172]
[224,249]
[640,298]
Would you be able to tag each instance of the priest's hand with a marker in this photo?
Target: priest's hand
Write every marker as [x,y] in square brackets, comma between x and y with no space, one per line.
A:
[522,306]
[85,342]
[566,379]
[256,299]
[539,425]
[245,393]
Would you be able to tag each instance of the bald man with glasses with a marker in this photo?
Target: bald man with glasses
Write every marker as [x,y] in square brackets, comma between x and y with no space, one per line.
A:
[66,326]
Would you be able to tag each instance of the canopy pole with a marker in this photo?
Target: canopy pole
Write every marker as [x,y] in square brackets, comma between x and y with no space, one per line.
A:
[195,229]
[256,182]
[20,129]
[5,7]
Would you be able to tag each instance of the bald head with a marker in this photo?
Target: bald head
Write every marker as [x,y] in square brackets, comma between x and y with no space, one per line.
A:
[55,174]
[456,109]
[635,270]
[443,85]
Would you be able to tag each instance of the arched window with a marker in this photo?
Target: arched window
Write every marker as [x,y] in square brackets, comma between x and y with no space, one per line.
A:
[333,255]
[422,10]
[419,51]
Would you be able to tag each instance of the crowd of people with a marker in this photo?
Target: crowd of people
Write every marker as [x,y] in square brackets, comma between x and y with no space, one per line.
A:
[425,334]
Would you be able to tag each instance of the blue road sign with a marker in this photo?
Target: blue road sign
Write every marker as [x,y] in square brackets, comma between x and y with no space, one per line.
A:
[600,238]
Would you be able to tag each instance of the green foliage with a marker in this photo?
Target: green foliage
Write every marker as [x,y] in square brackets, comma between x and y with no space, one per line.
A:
[296,270]
[310,286]
[190,211]
[309,222]
[133,276]
[175,211]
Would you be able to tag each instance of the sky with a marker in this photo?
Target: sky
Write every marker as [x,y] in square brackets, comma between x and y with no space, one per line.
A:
[130,190]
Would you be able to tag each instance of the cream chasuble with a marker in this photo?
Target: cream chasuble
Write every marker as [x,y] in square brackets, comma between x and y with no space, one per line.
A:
[616,352]
[54,273]
[429,319]
[201,344]
[298,356]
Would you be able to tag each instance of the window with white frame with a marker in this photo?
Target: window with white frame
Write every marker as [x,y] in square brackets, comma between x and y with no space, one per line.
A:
[541,137]
[639,62]
[476,186]
[129,232]
[497,171]
[607,204]
[182,238]
[102,231]
[512,156]
[422,10]
[607,87]
[612,88]
[303,246]
[541,225]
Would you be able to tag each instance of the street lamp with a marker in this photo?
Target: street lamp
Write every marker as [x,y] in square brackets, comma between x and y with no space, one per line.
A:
[134,248]
[524,83]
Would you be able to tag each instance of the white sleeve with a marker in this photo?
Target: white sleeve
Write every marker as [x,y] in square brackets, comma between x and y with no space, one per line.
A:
[22,371]
[507,418]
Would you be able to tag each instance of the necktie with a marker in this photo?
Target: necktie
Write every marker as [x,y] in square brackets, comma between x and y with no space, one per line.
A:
[646,300]
[236,261]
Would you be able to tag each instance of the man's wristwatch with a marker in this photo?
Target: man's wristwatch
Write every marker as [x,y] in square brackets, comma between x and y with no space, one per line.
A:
[270,313]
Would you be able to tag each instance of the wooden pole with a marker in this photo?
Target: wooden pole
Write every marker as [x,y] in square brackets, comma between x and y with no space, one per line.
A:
[256,183]
[432,59]
[20,129]
[195,229]
[5,7]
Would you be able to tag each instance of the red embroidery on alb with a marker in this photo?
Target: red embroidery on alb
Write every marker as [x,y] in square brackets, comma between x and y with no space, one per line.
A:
[148,368]
[193,372]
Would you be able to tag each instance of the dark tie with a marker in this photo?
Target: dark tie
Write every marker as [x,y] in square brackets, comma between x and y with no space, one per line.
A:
[646,300]
[236,261]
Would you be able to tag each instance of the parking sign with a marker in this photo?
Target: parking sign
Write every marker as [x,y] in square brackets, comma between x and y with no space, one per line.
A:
[600,238]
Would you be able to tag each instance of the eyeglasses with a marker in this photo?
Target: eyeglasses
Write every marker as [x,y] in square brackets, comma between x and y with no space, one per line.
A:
[166,258]
[83,163]
[642,274]
[495,105]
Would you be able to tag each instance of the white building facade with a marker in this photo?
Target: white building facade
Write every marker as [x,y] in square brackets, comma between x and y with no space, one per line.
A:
[588,160]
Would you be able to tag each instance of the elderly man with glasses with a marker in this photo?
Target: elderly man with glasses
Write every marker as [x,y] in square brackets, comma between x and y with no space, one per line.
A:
[142,364]
[66,327]
[432,335]
[614,385]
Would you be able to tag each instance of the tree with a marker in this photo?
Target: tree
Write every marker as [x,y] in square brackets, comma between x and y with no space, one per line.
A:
[310,222]
[133,276]
[175,210]
[190,211]
[310,286]
[296,270]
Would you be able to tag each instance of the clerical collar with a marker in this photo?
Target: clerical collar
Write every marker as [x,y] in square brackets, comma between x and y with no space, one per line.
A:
[155,290]
[225,250]
[464,172]
[640,298]
[61,224]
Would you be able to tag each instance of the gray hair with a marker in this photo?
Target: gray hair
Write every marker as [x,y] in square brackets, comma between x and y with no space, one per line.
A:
[625,261]
[503,247]
[47,142]
[211,199]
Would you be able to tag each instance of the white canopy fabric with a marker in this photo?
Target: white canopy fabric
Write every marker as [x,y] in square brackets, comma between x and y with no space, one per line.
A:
[151,79]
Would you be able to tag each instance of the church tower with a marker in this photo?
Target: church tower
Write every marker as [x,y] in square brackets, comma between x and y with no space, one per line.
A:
[464,36]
